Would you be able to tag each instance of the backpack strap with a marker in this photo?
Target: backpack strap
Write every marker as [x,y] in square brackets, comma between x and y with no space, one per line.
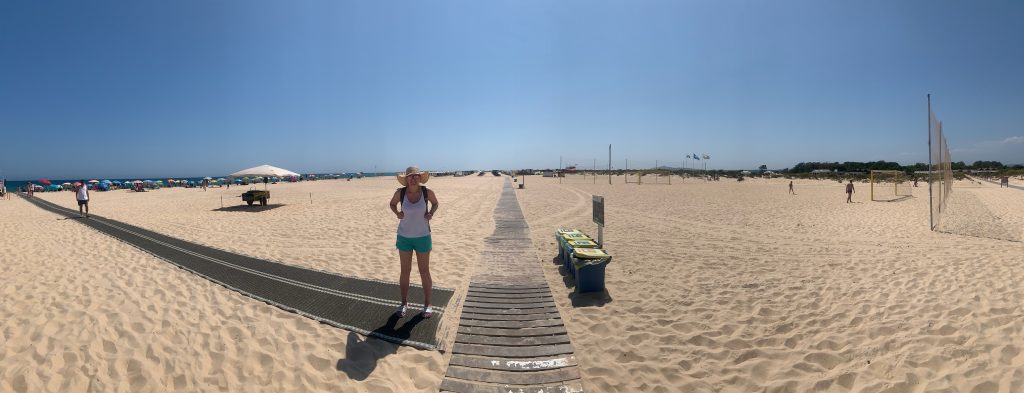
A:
[401,197]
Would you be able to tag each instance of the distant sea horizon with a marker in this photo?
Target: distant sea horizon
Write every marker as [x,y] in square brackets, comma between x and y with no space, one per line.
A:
[12,185]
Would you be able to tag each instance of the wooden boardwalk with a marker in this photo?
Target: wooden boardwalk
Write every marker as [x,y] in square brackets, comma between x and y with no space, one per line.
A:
[510,336]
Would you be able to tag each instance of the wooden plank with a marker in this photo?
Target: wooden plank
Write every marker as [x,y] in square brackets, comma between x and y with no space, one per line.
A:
[511,256]
[457,386]
[510,317]
[506,364]
[502,293]
[509,311]
[519,332]
[513,352]
[507,298]
[460,386]
[509,251]
[507,287]
[510,324]
[516,378]
[504,279]
[523,305]
[512,341]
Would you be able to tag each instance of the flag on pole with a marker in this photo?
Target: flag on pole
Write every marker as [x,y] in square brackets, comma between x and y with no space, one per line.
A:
[707,157]
[696,157]
[687,156]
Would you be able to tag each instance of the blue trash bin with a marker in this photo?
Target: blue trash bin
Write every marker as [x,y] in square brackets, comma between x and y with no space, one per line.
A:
[564,251]
[570,247]
[567,258]
[560,240]
[590,274]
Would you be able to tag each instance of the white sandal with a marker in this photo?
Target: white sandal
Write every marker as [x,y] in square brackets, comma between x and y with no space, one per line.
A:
[400,312]
[428,312]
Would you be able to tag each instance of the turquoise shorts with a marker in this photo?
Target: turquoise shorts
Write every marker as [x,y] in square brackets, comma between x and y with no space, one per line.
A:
[420,244]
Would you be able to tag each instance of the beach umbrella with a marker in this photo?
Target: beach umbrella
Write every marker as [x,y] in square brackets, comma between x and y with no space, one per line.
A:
[207,178]
[44,181]
[93,181]
[106,181]
[66,184]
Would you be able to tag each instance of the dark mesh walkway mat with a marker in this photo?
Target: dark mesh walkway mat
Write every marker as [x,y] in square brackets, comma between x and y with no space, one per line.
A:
[510,337]
[363,306]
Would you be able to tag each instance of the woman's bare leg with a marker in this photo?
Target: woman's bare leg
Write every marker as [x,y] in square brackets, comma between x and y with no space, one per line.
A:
[423,262]
[403,281]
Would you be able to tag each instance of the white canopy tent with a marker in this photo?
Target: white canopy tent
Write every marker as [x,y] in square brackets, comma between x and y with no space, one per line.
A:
[263,170]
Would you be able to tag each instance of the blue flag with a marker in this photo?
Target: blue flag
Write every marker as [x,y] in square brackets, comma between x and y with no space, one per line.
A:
[696,157]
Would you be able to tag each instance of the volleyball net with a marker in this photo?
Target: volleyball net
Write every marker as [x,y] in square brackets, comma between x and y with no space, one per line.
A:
[940,168]
[963,205]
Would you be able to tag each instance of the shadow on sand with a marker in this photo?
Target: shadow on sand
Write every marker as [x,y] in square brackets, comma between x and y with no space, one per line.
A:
[248,209]
[362,353]
[590,299]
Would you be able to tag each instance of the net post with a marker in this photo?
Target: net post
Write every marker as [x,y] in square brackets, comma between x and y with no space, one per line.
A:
[872,185]
[931,200]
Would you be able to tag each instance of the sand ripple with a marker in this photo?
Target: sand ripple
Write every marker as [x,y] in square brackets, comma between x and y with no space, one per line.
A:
[739,287]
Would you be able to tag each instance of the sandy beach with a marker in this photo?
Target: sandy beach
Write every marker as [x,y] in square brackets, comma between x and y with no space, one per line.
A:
[714,287]
[739,287]
[85,312]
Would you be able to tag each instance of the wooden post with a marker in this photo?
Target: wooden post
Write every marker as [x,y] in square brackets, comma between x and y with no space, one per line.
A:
[598,207]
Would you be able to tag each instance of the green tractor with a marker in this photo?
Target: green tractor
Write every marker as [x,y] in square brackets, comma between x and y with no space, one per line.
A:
[252,196]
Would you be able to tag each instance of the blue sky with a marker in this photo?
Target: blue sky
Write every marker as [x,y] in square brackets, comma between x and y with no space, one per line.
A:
[195,88]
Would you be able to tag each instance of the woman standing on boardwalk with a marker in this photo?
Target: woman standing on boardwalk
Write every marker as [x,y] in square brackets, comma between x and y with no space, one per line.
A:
[82,195]
[414,232]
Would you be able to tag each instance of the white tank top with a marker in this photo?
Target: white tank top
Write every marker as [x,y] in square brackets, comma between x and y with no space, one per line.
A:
[414,224]
[83,193]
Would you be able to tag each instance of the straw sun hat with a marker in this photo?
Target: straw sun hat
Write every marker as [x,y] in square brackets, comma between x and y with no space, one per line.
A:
[413,170]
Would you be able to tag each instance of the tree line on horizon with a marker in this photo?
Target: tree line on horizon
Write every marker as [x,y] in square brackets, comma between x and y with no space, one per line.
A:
[854,166]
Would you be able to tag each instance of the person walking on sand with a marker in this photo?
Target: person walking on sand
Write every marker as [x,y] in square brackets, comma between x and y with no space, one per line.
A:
[414,233]
[791,188]
[849,192]
[82,195]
